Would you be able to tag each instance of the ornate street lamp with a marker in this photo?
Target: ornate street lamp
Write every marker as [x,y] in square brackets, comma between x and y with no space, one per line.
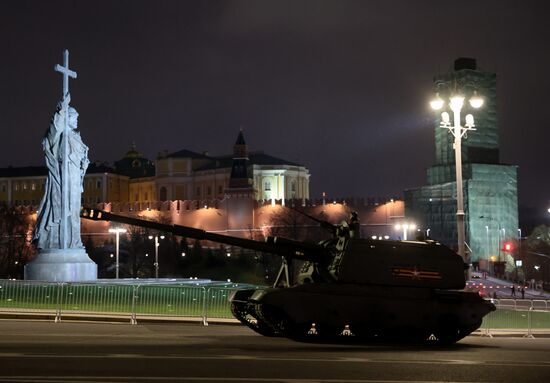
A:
[456,102]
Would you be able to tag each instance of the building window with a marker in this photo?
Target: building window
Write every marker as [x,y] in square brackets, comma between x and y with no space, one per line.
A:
[3,188]
[209,191]
[136,197]
[198,191]
[267,186]
[24,186]
[146,196]
[33,186]
[98,184]
[220,189]
[16,186]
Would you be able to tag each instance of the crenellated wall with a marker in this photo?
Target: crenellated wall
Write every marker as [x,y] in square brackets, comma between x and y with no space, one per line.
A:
[377,218]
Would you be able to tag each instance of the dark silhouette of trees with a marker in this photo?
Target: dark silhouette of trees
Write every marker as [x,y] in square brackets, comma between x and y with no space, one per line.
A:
[15,241]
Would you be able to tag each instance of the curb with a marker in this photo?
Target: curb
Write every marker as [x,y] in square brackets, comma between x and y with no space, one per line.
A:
[114,318]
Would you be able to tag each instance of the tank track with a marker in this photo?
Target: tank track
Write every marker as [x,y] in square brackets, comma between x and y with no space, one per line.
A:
[444,328]
[247,314]
[277,322]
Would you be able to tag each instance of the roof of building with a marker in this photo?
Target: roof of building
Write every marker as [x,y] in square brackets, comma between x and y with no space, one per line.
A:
[24,171]
[256,158]
[260,158]
[184,153]
[100,167]
[34,171]
[133,153]
[135,165]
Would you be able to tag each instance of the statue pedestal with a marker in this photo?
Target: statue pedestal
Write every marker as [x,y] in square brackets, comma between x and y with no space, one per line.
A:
[61,265]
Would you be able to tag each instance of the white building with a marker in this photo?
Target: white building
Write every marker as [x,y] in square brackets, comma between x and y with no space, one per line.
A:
[184,175]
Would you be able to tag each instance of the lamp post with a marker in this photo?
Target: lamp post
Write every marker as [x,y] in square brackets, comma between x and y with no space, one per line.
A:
[456,102]
[487,241]
[157,244]
[117,232]
[501,241]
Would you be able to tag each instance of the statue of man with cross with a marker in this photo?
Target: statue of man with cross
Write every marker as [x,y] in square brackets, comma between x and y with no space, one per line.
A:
[58,221]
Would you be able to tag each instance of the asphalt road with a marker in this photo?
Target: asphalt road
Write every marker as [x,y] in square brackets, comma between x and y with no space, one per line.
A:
[39,351]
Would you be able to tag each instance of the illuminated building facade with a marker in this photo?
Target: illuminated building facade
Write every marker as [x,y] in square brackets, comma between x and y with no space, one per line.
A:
[24,186]
[490,187]
[184,175]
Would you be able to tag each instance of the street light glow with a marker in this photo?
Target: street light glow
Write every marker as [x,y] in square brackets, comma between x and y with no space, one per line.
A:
[117,231]
[476,101]
[456,102]
[405,226]
[437,102]
[157,244]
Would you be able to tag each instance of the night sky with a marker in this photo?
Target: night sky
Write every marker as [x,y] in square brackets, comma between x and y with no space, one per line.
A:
[339,86]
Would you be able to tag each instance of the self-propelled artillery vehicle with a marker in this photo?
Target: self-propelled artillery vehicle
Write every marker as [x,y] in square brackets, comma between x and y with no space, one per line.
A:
[348,286]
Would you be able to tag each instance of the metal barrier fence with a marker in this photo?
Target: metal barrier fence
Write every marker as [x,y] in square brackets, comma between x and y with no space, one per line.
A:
[519,316]
[193,300]
[133,301]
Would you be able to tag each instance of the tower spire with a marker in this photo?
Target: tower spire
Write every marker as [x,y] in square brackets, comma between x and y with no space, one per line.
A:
[240,177]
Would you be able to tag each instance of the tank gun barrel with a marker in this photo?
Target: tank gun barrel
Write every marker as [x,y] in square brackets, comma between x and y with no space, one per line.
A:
[274,245]
[324,224]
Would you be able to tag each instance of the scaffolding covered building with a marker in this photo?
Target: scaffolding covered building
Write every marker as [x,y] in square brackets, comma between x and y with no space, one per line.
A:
[490,187]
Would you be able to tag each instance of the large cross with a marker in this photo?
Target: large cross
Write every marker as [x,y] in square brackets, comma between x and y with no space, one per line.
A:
[66,72]
[65,193]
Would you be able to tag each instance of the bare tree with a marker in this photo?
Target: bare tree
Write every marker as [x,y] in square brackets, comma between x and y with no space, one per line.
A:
[15,241]
[138,264]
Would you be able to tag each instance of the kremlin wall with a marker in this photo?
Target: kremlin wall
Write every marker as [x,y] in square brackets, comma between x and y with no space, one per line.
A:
[227,216]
